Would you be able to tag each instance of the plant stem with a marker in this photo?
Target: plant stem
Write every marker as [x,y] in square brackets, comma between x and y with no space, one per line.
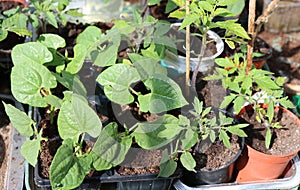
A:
[133,127]
[188,48]
[203,48]
[251,19]
[133,91]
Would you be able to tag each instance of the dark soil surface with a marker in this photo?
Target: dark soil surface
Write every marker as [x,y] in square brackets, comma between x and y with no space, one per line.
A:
[140,161]
[215,155]
[284,141]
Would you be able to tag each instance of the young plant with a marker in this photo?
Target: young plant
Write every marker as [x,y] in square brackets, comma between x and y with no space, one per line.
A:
[203,123]
[53,12]
[15,21]
[255,88]
[35,75]
[202,15]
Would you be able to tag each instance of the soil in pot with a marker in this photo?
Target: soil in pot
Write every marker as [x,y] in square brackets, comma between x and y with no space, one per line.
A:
[214,162]
[211,93]
[285,140]
[140,161]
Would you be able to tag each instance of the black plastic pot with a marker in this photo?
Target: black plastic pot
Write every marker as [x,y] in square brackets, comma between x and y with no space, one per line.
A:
[214,176]
[111,180]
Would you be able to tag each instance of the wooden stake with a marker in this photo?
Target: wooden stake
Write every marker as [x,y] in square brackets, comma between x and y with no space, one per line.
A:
[251,19]
[188,47]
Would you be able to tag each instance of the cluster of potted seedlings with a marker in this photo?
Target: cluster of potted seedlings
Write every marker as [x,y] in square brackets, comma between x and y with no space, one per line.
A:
[136,127]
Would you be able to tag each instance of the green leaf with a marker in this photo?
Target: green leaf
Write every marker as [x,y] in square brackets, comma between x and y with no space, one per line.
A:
[50,17]
[177,14]
[105,50]
[146,67]
[189,139]
[20,121]
[75,65]
[117,80]
[3,34]
[165,95]
[89,36]
[265,82]
[52,41]
[110,149]
[224,138]
[76,117]
[188,161]
[31,52]
[237,7]
[28,80]
[212,135]
[34,20]
[30,150]
[67,171]
[189,19]
[153,2]
[53,101]
[225,120]
[238,104]
[198,106]
[286,103]
[71,82]
[236,130]
[206,6]
[230,43]
[227,100]
[268,138]
[279,81]
[270,111]
[167,165]
[158,133]
[20,31]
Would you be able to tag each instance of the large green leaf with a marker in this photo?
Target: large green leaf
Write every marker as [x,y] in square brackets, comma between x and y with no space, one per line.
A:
[68,171]
[76,117]
[75,65]
[110,149]
[28,80]
[89,36]
[165,95]
[117,80]
[151,135]
[30,150]
[52,41]
[20,121]
[147,66]
[31,52]
[105,54]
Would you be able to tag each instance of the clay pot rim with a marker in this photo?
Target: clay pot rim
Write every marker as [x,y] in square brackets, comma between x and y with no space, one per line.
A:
[22,2]
[291,114]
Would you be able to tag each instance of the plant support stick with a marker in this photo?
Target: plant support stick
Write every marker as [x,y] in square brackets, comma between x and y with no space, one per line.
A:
[252,7]
[188,48]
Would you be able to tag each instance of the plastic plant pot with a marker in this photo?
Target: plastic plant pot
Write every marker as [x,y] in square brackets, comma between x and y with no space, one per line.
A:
[256,166]
[213,176]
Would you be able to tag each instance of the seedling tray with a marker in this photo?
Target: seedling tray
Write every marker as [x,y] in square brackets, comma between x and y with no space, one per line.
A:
[290,180]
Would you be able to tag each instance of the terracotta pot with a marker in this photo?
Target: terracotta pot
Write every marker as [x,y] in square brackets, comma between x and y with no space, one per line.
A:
[21,3]
[255,166]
